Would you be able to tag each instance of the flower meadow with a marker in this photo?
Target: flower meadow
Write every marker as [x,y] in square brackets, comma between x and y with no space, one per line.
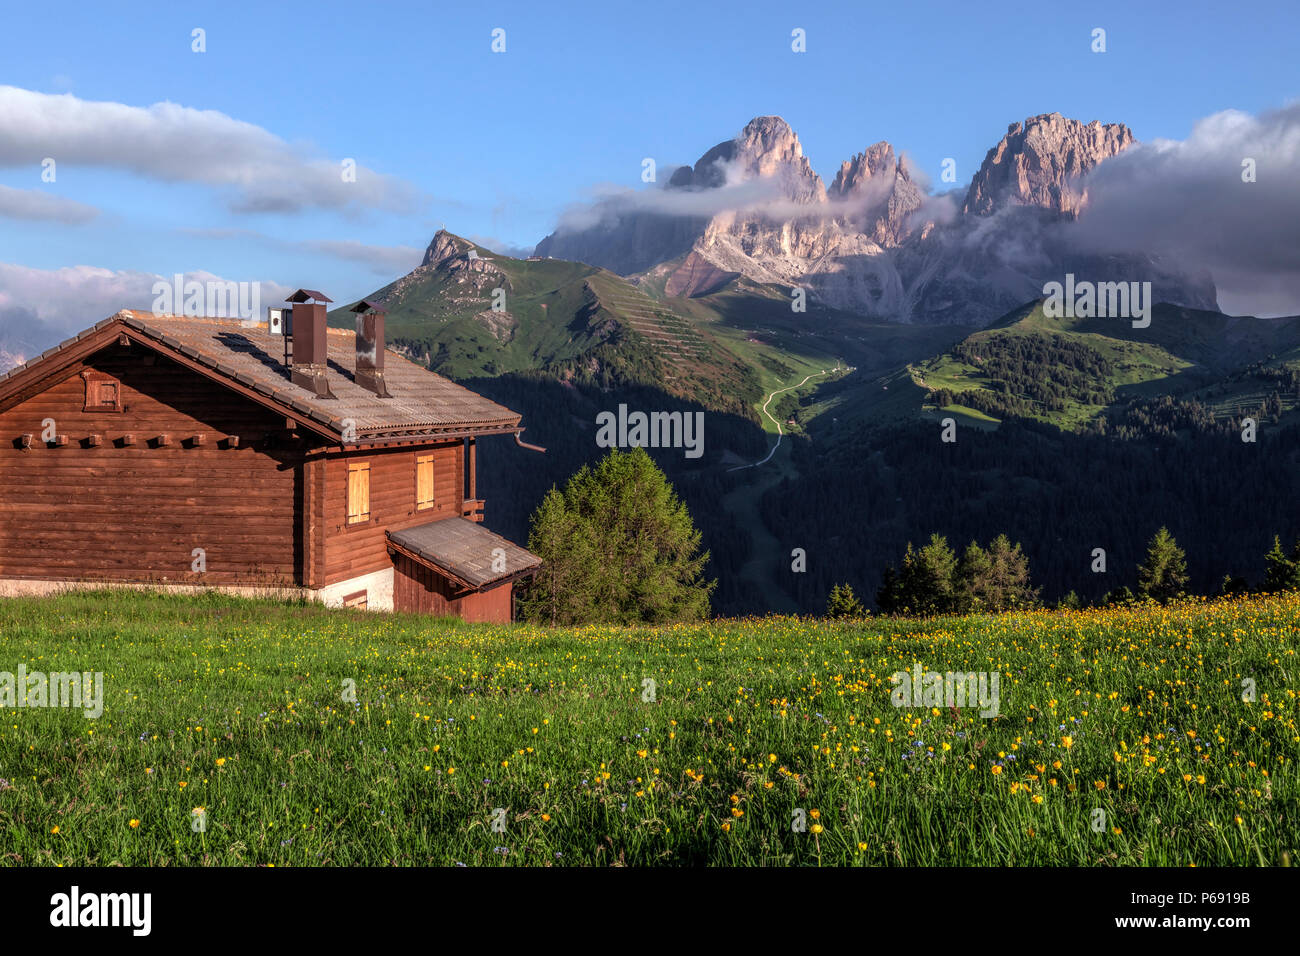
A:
[258,733]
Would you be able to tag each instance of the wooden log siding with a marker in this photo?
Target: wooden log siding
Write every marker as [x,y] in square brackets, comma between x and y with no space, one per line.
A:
[419,589]
[131,512]
[354,549]
[265,508]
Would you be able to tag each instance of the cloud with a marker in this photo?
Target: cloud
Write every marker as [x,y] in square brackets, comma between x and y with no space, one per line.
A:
[41,206]
[764,196]
[740,192]
[259,171]
[500,246]
[1186,200]
[381,260]
[610,204]
[39,308]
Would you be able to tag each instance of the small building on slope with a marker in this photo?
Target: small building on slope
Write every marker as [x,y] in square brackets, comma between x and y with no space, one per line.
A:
[213,453]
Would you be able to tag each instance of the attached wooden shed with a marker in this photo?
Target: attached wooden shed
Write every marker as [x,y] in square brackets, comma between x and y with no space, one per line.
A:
[456,567]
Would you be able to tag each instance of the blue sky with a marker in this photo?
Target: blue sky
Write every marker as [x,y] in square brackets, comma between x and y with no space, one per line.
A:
[497,145]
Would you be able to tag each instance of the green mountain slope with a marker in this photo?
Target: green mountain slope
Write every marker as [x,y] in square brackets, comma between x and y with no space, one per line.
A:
[857,403]
[468,313]
[1075,372]
[572,322]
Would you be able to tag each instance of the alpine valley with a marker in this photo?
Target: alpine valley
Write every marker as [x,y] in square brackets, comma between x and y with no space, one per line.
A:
[844,324]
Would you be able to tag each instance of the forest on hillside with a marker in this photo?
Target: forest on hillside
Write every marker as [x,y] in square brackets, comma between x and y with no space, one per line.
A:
[859,502]
[862,494]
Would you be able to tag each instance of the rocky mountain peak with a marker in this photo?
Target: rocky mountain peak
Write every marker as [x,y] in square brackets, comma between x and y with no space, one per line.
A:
[766,148]
[878,194]
[10,360]
[1041,161]
[865,244]
[861,168]
[444,246]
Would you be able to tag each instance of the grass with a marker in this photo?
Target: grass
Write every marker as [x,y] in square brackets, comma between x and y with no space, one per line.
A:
[238,707]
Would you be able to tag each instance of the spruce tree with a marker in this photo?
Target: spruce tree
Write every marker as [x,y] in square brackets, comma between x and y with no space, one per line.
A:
[1282,573]
[929,577]
[1163,573]
[1008,586]
[618,547]
[889,598]
[844,603]
[973,573]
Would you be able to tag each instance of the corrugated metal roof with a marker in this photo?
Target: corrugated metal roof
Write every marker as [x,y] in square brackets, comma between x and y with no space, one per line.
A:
[252,356]
[465,548]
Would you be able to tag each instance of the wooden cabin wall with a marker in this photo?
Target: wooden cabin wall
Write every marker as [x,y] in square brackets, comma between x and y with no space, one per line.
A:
[137,512]
[352,550]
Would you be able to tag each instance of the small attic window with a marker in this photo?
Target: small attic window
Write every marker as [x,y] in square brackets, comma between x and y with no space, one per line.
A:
[103,392]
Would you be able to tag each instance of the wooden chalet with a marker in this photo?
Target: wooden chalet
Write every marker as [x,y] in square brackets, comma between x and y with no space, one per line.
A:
[214,453]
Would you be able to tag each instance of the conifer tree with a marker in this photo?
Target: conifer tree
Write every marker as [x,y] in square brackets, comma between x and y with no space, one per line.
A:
[1163,573]
[617,546]
[1282,573]
[844,603]
[1008,581]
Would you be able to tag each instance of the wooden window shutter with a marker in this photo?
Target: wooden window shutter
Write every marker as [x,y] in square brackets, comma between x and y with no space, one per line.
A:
[358,492]
[103,392]
[424,481]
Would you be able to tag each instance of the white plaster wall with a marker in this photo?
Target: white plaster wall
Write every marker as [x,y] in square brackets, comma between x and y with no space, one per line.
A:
[378,586]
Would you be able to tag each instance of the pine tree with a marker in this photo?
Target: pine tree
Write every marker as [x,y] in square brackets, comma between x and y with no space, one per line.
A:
[973,574]
[1070,602]
[889,598]
[1282,573]
[617,546]
[558,591]
[928,577]
[933,580]
[1008,585]
[994,580]
[844,603]
[1163,574]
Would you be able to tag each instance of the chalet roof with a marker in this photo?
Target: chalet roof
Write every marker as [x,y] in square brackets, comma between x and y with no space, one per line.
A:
[463,550]
[420,403]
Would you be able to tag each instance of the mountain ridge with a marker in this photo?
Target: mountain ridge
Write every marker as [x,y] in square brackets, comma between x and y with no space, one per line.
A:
[873,242]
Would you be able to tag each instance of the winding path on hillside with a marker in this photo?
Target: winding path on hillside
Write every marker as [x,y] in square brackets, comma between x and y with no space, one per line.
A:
[779,432]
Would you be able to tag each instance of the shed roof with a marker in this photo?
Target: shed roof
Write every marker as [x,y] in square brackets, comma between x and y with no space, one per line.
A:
[464,551]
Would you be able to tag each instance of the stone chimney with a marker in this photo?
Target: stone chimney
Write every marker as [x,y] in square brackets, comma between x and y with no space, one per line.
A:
[310,347]
[370,347]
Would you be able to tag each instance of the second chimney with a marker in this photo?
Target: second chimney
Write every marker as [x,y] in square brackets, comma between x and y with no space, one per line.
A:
[310,344]
[370,347]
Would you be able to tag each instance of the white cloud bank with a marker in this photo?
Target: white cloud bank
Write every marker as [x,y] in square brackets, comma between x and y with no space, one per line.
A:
[39,308]
[174,143]
[1187,200]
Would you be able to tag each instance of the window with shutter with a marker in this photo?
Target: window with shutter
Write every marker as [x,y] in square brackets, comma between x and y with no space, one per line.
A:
[424,481]
[358,492]
[103,392]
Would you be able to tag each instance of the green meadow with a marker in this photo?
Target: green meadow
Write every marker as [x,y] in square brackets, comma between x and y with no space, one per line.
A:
[243,733]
